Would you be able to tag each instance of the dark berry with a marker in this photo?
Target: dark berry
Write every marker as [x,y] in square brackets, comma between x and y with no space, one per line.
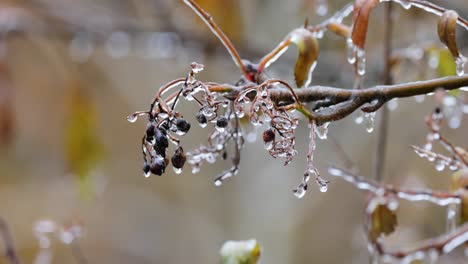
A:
[146,168]
[161,139]
[268,135]
[221,121]
[201,118]
[158,167]
[183,125]
[179,158]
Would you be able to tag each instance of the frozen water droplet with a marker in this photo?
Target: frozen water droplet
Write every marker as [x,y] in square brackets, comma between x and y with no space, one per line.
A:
[147,174]
[324,188]
[180,133]
[220,129]
[392,205]
[197,67]
[195,169]
[460,64]
[453,167]
[321,7]
[428,146]
[322,131]
[177,170]
[218,182]
[440,165]
[300,191]
[359,118]
[361,62]
[420,98]
[351,51]
[392,105]
[369,121]
[203,125]
[132,118]
[269,145]
[452,217]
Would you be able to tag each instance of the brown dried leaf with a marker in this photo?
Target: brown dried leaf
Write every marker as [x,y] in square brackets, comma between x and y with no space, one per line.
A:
[308,48]
[382,222]
[446,28]
[362,9]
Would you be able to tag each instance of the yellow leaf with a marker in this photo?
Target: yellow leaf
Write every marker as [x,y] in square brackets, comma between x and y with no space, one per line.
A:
[308,48]
[382,221]
[82,146]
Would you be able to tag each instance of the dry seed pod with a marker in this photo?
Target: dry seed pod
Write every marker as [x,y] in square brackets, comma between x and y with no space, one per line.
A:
[446,29]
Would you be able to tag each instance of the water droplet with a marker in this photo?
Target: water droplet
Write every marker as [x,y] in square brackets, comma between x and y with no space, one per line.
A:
[177,170]
[440,165]
[322,131]
[369,121]
[321,7]
[218,182]
[351,51]
[147,174]
[392,105]
[359,118]
[428,146]
[452,217]
[132,118]
[300,191]
[220,129]
[269,145]
[420,98]
[453,167]
[195,169]
[460,64]
[392,205]
[324,188]
[361,62]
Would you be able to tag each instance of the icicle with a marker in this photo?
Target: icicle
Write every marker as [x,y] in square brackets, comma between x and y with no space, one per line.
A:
[322,131]
[452,217]
[361,62]
[460,64]
[369,118]
[351,51]
[300,191]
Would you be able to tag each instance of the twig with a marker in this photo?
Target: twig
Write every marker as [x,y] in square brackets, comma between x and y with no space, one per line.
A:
[10,251]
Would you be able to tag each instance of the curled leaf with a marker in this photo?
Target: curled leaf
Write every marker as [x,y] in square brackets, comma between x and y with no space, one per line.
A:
[446,28]
[240,252]
[362,9]
[308,48]
[382,220]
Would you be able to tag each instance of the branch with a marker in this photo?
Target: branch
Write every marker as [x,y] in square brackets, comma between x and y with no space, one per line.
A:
[10,251]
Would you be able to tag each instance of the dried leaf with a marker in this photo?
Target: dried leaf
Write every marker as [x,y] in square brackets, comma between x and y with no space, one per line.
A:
[460,186]
[446,29]
[362,9]
[308,48]
[6,109]
[240,252]
[83,147]
[382,221]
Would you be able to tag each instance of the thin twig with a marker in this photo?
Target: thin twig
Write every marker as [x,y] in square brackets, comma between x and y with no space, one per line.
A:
[10,251]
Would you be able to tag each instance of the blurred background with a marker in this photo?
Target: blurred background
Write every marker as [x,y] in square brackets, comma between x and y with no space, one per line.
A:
[70,163]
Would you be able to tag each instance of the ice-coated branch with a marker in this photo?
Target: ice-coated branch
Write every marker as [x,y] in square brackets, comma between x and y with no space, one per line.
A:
[362,183]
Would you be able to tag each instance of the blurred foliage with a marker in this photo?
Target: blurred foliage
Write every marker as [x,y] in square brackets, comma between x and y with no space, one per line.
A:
[240,252]
[82,145]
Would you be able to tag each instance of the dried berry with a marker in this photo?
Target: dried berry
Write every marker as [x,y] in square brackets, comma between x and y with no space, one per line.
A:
[161,139]
[150,132]
[201,118]
[158,167]
[178,159]
[221,122]
[182,125]
[146,169]
[268,135]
